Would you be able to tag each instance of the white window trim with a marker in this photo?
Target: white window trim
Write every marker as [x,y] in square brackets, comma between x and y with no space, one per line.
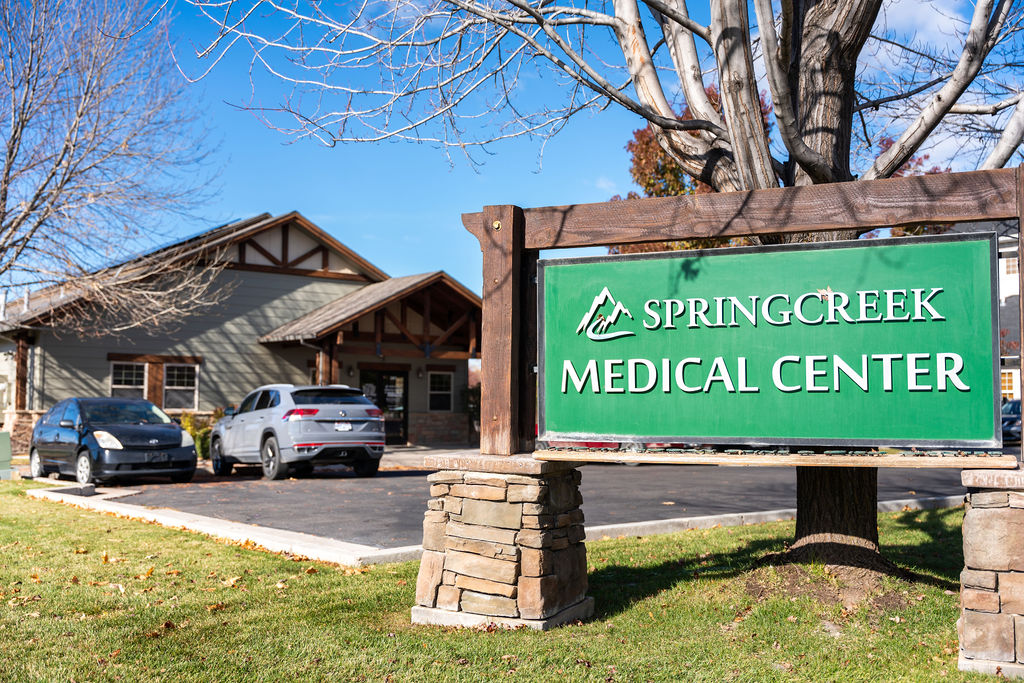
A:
[145,378]
[451,391]
[195,390]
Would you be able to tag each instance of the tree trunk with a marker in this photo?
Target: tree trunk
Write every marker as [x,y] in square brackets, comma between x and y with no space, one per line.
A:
[837,518]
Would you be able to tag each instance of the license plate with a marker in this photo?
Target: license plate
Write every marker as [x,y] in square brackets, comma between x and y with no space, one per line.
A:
[343,426]
[158,457]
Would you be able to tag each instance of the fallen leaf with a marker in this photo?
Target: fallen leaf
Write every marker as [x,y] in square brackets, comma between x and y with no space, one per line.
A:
[230,583]
[311,570]
[402,582]
[173,572]
[791,618]
[74,580]
[282,584]
[216,607]
[80,551]
[104,557]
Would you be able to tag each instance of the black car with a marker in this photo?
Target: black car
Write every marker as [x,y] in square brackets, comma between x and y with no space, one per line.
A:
[1011,421]
[107,438]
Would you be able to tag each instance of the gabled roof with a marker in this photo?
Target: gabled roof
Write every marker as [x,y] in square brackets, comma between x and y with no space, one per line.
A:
[350,307]
[22,312]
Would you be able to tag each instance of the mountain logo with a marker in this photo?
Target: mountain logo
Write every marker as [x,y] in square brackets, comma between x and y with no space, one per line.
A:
[596,324]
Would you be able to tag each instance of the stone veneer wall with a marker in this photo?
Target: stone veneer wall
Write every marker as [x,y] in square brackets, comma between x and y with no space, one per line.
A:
[438,428]
[20,423]
[991,625]
[503,548]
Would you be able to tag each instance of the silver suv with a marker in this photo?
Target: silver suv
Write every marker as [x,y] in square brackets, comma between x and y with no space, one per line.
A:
[284,427]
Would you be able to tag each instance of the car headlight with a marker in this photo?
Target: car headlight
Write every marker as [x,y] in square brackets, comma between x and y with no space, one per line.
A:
[186,439]
[107,440]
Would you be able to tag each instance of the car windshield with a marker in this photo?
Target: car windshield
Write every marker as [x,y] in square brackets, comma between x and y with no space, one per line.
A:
[305,397]
[1012,407]
[114,412]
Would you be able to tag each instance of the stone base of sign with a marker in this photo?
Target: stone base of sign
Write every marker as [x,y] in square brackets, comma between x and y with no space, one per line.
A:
[502,543]
[441,617]
[991,625]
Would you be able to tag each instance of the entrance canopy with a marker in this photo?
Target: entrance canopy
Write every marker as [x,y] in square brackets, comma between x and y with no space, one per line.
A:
[430,315]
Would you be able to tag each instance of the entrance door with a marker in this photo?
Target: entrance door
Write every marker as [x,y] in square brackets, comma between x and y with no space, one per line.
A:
[389,390]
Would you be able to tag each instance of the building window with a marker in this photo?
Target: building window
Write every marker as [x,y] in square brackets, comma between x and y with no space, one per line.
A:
[181,388]
[128,380]
[439,390]
[1011,266]
[1006,383]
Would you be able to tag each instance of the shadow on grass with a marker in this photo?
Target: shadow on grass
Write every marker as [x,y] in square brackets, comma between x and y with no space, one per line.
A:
[936,562]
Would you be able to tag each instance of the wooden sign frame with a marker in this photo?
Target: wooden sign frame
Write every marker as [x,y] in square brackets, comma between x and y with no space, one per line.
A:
[511,238]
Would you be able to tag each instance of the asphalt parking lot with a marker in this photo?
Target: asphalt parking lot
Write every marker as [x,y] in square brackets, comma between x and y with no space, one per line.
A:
[387,511]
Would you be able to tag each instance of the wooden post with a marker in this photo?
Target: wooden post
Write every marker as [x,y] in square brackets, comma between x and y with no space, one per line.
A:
[501,240]
[335,375]
[155,383]
[321,365]
[21,372]
[528,350]
[426,324]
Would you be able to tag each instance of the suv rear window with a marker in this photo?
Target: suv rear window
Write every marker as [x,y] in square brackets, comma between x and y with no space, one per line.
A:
[307,397]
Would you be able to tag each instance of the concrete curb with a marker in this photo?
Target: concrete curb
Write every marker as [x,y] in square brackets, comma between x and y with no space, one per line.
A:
[354,555]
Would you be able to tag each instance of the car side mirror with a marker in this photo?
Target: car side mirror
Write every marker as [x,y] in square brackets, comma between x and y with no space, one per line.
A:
[230,412]
[67,424]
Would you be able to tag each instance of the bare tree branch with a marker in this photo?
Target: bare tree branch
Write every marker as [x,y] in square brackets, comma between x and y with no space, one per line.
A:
[1010,139]
[96,148]
[982,34]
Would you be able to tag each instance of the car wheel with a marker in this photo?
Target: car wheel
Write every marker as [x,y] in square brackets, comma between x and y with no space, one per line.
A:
[221,467]
[270,454]
[83,468]
[183,477]
[35,465]
[366,468]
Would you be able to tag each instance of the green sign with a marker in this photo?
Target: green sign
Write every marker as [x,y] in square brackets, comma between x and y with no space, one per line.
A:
[866,343]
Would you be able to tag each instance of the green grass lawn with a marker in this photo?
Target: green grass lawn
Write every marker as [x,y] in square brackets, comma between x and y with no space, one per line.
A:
[87,596]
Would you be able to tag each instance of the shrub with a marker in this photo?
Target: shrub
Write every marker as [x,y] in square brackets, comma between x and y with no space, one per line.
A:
[199,427]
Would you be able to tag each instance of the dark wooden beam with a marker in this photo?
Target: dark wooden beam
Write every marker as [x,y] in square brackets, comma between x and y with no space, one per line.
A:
[266,254]
[241,252]
[154,358]
[325,263]
[405,352]
[325,274]
[862,205]
[378,331]
[426,316]
[443,337]
[385,366]
[413,339]
[299,259]
[284,243]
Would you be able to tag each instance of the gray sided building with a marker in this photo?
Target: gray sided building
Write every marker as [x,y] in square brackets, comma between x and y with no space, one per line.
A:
[295,306]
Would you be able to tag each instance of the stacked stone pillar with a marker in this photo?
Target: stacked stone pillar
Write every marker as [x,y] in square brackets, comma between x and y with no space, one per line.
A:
[991,625]
[502,544]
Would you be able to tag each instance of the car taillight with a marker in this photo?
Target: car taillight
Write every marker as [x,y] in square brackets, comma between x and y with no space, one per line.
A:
[299,413]
[374,412]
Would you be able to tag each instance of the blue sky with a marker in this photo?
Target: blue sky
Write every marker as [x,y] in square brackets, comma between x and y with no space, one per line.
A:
[396,204]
